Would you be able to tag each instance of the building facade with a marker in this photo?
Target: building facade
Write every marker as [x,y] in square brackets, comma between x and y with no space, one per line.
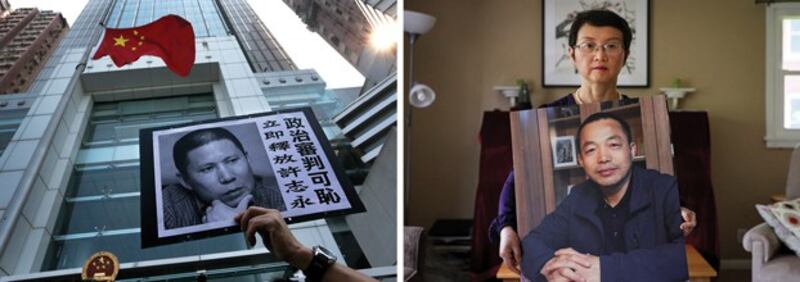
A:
[70,170]
[260,47]
[339,22]
[27,38]
[388,7]
[369,118]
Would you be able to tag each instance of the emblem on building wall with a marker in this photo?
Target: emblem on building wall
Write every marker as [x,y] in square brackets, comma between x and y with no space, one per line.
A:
[102,266]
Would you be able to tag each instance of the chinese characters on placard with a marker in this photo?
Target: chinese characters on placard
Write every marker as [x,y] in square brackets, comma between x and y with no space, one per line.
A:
[307,181]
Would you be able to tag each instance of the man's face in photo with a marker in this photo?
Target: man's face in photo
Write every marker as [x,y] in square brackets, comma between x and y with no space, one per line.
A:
[218,170]
[605,152]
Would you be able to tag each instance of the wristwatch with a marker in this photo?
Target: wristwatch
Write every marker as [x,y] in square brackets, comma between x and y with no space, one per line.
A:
[320,262]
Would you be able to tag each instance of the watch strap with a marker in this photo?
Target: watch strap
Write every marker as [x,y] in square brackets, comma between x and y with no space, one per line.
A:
[320,263]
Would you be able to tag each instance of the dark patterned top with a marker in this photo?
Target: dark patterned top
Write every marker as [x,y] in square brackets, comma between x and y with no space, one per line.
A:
[183,208]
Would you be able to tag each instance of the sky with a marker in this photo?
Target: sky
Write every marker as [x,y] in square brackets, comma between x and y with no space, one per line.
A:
[307,49]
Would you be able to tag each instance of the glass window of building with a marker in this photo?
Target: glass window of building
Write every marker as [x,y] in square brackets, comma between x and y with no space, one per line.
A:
[203,14]
[9,122]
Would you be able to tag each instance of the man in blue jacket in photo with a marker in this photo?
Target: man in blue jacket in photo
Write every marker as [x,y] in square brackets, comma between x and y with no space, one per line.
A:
[622,224]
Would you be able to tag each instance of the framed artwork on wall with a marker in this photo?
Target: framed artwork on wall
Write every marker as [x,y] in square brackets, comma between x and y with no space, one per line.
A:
[557,67]
[564,151]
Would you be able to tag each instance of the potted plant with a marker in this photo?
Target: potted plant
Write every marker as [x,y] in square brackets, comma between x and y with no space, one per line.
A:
[523,99]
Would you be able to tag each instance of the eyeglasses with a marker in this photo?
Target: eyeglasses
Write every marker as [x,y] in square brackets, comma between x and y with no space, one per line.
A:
[611,48]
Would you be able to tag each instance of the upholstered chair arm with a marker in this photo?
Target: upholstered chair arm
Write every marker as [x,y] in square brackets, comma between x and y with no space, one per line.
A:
[761,242]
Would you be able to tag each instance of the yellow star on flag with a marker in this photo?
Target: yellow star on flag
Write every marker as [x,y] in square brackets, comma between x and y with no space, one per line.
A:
[120,41]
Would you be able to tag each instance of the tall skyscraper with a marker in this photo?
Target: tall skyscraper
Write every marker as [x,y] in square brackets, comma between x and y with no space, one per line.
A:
[70,171]
[27,38]
[340,23]
[261,48]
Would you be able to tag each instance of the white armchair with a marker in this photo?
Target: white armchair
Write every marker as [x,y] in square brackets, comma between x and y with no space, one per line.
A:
[763,244]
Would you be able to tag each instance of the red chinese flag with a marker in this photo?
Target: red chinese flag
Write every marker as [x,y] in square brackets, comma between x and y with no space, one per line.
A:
[171,38]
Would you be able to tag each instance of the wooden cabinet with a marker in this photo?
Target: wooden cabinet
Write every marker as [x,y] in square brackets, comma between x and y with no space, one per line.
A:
[544,172]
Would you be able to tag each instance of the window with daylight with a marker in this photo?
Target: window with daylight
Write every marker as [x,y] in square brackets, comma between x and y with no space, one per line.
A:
[783,75]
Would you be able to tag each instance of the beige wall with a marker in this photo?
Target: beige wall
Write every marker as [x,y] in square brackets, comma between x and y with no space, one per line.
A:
[716,46]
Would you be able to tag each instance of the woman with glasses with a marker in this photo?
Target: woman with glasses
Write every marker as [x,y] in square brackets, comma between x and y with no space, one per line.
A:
[599,43]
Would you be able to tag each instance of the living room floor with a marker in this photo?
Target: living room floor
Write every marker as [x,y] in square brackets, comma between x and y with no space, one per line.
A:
[734,275]
[446,264]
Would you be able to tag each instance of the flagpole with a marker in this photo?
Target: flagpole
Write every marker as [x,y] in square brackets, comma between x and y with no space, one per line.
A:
[107,13]
[81,66]
[14,210]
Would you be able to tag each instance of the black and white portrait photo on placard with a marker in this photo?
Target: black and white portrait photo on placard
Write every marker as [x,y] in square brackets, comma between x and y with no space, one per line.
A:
[197,177]
[214,180]
[564,151]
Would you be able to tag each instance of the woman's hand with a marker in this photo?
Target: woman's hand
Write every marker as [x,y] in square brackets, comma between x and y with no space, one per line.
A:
[689,221]
[510,250]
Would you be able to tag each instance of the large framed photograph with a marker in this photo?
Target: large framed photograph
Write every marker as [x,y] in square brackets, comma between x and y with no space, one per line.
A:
[557,68]
[196,177]
[564,152]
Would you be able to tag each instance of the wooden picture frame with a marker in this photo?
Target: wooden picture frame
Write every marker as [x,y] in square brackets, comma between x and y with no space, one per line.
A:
[564,151]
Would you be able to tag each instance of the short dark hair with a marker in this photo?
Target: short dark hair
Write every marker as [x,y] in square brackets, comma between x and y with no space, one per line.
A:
[197,138]
[601,18]
[601,116]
